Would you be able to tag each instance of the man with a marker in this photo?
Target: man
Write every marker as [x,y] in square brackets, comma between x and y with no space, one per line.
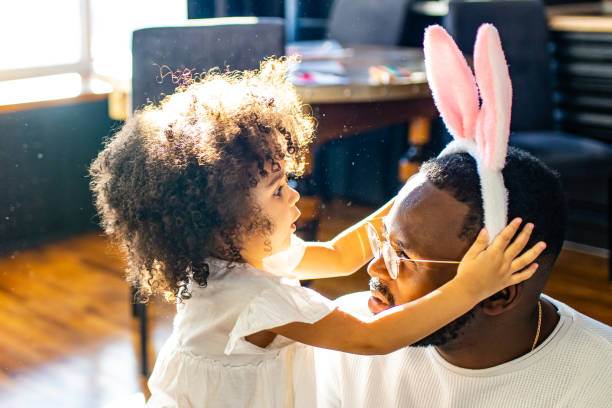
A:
[517,348]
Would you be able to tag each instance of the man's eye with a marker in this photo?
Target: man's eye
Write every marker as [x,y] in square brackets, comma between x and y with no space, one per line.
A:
[400,252]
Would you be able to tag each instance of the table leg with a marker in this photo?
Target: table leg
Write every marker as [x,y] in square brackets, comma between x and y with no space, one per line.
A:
[418,136]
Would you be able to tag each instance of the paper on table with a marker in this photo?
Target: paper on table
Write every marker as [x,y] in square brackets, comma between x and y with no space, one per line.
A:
[318,73]
[317,78]
[317,50]
[328,67]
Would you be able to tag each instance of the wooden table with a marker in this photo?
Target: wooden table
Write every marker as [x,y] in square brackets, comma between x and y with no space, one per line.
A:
[359,105]
[343,110]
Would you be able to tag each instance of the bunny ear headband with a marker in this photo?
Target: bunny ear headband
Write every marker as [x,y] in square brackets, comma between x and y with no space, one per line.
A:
[481,130]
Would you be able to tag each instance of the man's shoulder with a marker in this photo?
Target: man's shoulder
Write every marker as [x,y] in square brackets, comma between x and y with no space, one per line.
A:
[582,324]
[584,354]
[586,345]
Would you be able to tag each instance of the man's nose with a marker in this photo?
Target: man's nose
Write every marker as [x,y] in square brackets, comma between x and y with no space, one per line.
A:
[377,268]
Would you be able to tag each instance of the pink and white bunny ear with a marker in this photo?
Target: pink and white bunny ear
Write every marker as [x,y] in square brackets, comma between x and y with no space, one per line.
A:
[493,122]
[483,133]
[456,99]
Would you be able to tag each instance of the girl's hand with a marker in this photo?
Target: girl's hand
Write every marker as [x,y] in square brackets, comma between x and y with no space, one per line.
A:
[487,270]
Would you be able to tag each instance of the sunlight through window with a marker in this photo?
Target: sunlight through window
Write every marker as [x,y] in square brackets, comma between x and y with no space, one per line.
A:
[43,54]
[111,30]
[40,33]
[40,88]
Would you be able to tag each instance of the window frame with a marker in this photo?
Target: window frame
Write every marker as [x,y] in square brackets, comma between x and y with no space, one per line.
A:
[82,67]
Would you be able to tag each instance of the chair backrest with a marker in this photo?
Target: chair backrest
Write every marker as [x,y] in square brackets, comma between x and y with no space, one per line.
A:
[523,30]
[234,43]
[583,63]
[378,22]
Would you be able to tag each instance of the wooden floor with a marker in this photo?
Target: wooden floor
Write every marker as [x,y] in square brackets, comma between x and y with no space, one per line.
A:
[68,338]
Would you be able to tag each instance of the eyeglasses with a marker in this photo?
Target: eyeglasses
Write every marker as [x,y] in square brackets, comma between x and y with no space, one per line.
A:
[392,260]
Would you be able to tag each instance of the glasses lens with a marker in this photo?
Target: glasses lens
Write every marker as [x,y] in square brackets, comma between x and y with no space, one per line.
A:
[390,258]
[374,240]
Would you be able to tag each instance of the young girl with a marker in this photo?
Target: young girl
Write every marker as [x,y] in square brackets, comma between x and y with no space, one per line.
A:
[196,192]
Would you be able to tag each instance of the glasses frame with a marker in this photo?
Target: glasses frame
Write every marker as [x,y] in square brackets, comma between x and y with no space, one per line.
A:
[392,260]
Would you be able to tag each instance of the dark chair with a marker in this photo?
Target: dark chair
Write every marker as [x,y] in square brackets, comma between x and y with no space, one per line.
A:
[584,163]
[377,22]
[234,44]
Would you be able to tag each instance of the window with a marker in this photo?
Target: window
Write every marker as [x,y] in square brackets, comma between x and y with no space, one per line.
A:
[112,23]
[40,34]
[56,49]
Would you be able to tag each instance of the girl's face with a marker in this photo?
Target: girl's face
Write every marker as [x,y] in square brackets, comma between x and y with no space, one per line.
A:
[278,203]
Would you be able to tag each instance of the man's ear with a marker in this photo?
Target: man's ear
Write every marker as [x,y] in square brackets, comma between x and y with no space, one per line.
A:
[503,300]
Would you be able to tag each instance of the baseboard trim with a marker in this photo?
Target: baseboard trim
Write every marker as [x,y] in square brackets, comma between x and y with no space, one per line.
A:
[587,249]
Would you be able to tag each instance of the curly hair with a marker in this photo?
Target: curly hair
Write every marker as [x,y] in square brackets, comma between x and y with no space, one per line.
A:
[173,186]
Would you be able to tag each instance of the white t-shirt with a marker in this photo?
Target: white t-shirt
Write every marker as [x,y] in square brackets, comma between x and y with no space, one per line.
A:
[571,368]
[206,362]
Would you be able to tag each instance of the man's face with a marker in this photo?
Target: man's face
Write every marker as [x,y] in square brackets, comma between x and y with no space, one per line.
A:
[424,223]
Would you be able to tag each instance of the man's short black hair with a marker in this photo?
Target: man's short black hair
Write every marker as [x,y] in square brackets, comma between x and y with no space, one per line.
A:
[534,193]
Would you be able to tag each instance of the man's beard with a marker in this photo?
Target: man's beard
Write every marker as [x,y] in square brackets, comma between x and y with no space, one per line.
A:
[443,336]
[376,284]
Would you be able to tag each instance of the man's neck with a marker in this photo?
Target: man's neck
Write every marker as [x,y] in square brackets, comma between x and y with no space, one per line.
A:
[498,341]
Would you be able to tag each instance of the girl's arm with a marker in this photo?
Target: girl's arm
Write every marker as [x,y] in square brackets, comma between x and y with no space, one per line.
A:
[481,274]
[344,254]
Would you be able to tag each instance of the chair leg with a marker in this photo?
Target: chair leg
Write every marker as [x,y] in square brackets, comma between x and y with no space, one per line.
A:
[610,229]
[139,311]
[144,360]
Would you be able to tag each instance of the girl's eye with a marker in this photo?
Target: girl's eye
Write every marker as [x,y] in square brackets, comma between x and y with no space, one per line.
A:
[278,191]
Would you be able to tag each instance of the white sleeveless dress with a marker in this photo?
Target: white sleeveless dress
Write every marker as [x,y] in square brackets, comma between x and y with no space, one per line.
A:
[206,362]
